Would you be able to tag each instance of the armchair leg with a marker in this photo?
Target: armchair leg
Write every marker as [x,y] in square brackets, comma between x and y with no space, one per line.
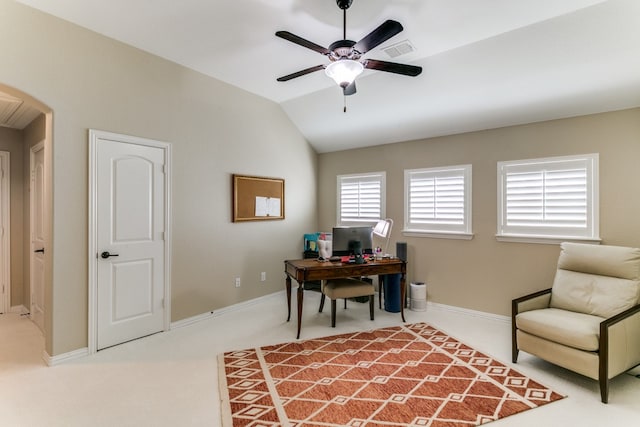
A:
[603,369]
[514,332]
[514,345]
[604,389]
[321,303]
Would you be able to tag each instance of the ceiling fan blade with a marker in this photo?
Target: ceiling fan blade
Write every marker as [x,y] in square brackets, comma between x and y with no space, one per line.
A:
[381,34]
[302,42]
[393,67]
[300,73]
[350,90]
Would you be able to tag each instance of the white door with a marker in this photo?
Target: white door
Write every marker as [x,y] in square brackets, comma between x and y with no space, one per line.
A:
[130,221]
[37,218]
[5,253]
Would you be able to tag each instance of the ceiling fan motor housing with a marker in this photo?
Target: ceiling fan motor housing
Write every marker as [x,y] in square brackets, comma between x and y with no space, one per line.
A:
[342,49]
[344,4]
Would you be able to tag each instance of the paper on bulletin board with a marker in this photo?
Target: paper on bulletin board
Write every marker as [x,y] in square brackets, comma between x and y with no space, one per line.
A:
[267,206]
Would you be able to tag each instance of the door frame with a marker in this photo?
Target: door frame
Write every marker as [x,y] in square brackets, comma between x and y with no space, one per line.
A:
[40,146]
[94,137]
[5,230]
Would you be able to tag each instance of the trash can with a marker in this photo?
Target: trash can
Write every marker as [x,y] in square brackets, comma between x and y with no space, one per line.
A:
[391,283]
[418,296]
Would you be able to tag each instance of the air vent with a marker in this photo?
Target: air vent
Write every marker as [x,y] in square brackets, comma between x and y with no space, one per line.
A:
[398,49]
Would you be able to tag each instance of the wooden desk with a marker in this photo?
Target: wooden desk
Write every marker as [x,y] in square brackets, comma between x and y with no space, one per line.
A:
[303,270]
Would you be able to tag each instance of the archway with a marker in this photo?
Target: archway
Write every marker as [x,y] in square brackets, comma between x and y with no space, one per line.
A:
[26,122]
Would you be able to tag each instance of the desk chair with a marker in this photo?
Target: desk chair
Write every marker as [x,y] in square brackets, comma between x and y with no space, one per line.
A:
[346,288]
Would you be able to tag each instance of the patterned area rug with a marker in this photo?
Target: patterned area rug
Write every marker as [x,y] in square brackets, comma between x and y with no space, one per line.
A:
[413,375]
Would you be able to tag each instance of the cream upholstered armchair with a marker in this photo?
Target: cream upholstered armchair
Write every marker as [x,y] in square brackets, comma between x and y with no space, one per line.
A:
[589,321]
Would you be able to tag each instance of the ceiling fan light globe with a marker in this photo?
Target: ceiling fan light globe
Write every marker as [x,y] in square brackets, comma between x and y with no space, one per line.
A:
[344,72]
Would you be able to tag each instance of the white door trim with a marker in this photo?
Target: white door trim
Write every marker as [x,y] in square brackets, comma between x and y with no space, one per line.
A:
[37,319]
[94,136]
[5,232]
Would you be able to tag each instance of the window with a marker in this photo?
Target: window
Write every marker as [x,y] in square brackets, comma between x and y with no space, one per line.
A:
[438,202]
[361,198]
[553,198]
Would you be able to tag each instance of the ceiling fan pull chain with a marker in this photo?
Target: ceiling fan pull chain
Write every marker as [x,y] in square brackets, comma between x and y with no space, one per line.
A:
[345,104]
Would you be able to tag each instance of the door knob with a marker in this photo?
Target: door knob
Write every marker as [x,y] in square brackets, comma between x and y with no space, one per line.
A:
[41,251]
[106,254]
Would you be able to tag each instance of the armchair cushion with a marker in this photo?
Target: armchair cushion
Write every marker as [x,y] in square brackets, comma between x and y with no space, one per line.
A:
[597,280]
[603,260]
[590,294]
[577,330]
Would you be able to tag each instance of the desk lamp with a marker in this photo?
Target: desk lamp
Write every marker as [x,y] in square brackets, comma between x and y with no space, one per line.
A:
[383,229]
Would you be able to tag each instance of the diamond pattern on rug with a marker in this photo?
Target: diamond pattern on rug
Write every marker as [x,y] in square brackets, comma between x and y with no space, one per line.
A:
[413,375]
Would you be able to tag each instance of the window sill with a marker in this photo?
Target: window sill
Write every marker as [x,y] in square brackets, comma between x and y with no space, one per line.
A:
[544,240]
[438,235]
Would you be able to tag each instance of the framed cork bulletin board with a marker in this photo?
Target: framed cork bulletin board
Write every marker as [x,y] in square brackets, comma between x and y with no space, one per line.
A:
[257,198]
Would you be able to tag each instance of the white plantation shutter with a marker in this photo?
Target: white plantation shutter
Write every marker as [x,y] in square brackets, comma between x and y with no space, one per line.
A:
[360,198]
[438,199]
[554,197]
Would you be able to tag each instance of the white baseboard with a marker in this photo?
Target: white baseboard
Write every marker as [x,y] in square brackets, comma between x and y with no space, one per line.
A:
[219,312]
[82,352]
[190,320]
[64,357]
[20,309]
[432,305]
[468,312]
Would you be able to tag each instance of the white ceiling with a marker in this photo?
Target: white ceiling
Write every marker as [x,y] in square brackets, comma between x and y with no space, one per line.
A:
[486,63]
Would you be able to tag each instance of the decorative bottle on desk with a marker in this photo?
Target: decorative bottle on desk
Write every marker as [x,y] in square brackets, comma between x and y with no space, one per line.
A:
[378,252]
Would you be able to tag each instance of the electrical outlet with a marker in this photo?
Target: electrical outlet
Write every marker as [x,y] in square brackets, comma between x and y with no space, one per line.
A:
[237,282]
[263,276]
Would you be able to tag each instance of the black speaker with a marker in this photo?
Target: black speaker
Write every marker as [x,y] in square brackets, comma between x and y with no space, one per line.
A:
[401,250]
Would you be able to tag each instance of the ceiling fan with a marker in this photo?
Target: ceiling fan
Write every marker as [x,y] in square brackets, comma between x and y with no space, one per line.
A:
[345,55]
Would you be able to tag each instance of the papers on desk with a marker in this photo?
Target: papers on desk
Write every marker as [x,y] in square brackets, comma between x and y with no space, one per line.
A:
[267,206]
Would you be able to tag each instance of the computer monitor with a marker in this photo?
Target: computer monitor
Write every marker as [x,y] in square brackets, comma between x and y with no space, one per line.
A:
[343,238]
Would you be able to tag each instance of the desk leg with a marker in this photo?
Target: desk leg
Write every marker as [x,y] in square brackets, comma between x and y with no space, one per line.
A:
[300,297]
[403,294]
[288,287]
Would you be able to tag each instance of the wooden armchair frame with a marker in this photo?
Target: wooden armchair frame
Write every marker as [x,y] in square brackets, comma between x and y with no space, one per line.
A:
[541,299]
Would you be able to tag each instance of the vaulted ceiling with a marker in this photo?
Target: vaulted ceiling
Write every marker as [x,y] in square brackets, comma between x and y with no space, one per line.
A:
[486,63]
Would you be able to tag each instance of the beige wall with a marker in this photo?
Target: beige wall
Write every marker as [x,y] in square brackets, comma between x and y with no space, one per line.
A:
[11,141]
[91,82]
[483,274]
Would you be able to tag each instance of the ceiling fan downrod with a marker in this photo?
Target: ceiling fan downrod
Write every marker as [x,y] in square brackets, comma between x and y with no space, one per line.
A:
[344,5]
